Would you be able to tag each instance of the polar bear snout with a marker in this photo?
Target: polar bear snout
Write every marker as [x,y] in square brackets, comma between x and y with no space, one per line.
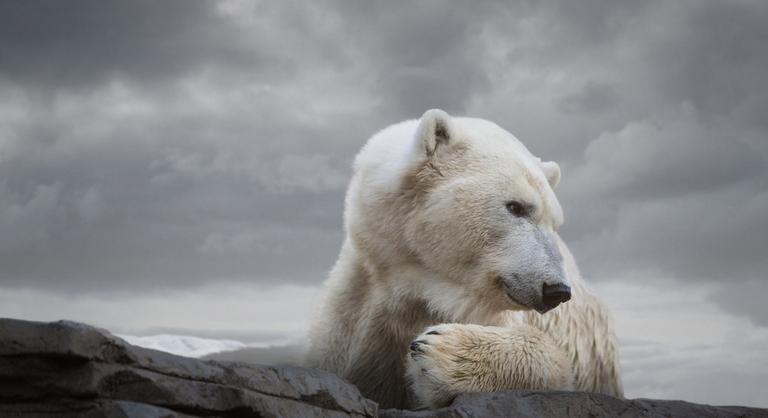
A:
[548,294]
[554,294]
[533,275]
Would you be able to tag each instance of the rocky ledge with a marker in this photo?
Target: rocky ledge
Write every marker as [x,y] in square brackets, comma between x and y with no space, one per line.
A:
[67,369]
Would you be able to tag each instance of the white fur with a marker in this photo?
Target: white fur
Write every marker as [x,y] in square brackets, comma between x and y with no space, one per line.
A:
[430,240]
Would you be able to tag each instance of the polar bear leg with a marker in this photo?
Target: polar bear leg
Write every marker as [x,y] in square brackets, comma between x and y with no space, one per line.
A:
[449,359]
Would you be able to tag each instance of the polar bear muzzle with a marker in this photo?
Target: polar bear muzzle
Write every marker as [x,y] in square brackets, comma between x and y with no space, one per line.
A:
[533,276]
[552,295]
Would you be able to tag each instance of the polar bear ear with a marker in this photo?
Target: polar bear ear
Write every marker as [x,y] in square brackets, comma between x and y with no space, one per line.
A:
[435,129]
[552,172]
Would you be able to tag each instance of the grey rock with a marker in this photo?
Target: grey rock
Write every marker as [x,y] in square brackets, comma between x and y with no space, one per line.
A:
[535,404]
[86,409]
[70,369]
[66,369]
[276,355]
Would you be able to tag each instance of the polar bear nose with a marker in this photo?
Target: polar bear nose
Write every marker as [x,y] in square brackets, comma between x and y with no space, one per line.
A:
[555,294]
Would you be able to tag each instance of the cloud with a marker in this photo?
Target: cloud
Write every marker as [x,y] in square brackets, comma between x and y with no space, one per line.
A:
[314,173]
[681,193]
[746,300]
[79,45]
[714,54]
[118,188]
[677,153]
[592,97]
[668,352]
[146,147]
[245,312]
[195,145]
[26,221]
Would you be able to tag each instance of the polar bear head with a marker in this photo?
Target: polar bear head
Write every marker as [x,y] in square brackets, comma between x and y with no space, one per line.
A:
[464,201]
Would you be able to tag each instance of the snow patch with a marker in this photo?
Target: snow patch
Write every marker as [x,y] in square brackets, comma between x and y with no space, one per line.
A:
[184,345]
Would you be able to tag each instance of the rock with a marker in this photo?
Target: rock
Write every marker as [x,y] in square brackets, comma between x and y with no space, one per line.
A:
[534,404]
[70,369]
[66,369]
[87,409]
[276,355]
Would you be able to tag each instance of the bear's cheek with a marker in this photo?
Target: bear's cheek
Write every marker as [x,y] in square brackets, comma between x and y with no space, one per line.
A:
[445,249]
[456,229]
[443,245]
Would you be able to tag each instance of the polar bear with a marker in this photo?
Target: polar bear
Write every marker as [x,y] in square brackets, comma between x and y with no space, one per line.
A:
[452,276]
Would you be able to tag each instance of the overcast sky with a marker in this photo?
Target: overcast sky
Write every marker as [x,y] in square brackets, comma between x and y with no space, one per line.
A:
[180,165]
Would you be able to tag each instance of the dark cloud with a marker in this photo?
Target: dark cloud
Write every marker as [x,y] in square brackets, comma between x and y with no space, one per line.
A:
[147,144]
[102,198]
[179,166]
[423,55]
[746,300]
[83,43]
[714,60]
[680,186]
[593,97]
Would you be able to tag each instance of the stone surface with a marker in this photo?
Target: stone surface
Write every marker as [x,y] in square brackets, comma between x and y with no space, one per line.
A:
[70,369]
[534,404]
[67,369]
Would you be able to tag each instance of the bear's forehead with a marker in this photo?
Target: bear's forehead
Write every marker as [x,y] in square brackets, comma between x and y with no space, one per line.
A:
[391,154]
[489,138]
[499,156]
[491,148]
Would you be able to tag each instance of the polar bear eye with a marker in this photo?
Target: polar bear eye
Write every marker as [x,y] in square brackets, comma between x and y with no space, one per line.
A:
[517,209]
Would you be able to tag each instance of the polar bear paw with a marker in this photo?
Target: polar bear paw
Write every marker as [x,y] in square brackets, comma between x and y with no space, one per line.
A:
[449,359]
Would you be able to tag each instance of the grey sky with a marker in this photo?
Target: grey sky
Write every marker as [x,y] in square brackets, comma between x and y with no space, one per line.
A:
[147,147]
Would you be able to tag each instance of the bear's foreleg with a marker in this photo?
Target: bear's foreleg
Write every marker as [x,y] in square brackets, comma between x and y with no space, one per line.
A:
[449,359]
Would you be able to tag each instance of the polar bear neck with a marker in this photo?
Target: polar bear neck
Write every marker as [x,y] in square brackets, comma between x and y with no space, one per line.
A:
[441,299]
[372,315]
